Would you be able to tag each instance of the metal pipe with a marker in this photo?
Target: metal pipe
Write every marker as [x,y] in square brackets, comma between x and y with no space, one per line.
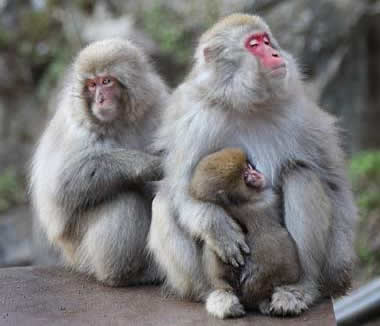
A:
[361,305]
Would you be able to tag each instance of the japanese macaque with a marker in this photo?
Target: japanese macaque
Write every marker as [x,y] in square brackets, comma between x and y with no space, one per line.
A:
[245,91]
[92,172]
[226,178]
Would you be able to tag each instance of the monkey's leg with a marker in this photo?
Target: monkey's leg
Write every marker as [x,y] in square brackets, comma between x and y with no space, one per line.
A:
[308,218]
[114,245]
[176,252]
[337,271]
[222,302]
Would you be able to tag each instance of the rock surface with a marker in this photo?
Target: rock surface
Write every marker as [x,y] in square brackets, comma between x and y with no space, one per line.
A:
[34,296]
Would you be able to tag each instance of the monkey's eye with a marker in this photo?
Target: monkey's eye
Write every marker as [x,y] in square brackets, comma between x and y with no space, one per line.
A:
[91,85]
[266,41]
[250,166]
[253,43]
[107,81]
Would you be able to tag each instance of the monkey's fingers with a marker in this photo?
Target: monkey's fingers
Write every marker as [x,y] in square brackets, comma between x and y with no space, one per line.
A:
[247,272]
[231,253]
[235,263]
[244,275]
[245,248]
[228,251]
[228,241]
[242,244]
[234,257]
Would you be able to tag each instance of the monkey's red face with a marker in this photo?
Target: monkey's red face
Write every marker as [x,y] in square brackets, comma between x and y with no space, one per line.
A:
[253,178]
[260,46]
[105,96]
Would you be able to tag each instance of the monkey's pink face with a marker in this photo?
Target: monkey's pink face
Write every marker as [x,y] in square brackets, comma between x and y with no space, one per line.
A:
[260,46]
[253,178]
[105,97]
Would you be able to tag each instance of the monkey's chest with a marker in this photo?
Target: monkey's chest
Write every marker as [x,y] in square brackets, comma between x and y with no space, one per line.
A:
[267,152]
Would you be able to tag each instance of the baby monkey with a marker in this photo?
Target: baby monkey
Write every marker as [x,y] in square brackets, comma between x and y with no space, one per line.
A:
[228,179]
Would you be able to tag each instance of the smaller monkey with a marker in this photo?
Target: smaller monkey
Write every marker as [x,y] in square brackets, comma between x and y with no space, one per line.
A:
[227,178]
[93,168]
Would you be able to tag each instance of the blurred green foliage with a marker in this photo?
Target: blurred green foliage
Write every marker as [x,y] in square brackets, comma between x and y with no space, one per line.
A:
[165,27]
[169,30]
[54,71]
[39,41]
[365,175]
[11,189]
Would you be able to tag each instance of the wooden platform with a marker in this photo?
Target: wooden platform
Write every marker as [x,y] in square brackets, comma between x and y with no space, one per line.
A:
[51,296]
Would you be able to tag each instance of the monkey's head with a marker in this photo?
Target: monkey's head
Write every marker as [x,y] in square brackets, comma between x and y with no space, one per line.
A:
[243,62]
[226,176]
[108,76]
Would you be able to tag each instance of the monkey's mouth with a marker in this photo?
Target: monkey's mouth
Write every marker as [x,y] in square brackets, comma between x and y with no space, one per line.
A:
[106,114]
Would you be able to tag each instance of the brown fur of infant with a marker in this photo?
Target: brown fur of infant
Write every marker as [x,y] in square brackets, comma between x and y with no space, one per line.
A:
[227,178]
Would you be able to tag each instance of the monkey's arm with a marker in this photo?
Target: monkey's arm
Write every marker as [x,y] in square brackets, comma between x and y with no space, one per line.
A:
[203,221]
[208,222]
[138,166]
[92,177]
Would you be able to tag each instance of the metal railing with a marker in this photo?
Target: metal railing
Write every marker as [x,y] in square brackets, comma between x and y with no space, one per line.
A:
[360,306]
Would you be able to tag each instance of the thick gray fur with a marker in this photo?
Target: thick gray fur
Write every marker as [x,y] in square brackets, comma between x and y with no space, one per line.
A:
[89,179]
[228,100]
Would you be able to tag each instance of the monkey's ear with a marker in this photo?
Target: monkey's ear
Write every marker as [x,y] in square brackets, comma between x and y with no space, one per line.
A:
[207,53]
[221,197]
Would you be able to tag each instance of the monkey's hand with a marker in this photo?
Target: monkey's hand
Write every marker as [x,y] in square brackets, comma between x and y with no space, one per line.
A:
[149,168]
[228,241]
[248,274]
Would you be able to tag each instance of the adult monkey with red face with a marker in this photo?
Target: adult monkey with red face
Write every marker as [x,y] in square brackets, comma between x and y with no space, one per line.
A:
[245,91]
[91,169]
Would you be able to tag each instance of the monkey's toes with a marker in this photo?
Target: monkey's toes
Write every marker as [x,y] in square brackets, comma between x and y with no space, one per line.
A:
[223,304]
[265,307]
[288,301]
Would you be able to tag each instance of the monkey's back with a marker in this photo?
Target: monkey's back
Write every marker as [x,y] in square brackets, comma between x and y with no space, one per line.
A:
[274,258]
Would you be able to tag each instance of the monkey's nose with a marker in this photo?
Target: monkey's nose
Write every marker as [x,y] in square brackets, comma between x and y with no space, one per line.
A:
[275,54]
[100,99]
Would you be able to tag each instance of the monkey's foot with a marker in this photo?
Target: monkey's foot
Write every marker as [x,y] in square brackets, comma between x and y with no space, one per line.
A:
[264,307]
[113,282]
[223,304]
[286,301]
[150,276]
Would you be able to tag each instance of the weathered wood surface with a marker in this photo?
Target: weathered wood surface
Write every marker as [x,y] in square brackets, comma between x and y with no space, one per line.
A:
[52,296]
